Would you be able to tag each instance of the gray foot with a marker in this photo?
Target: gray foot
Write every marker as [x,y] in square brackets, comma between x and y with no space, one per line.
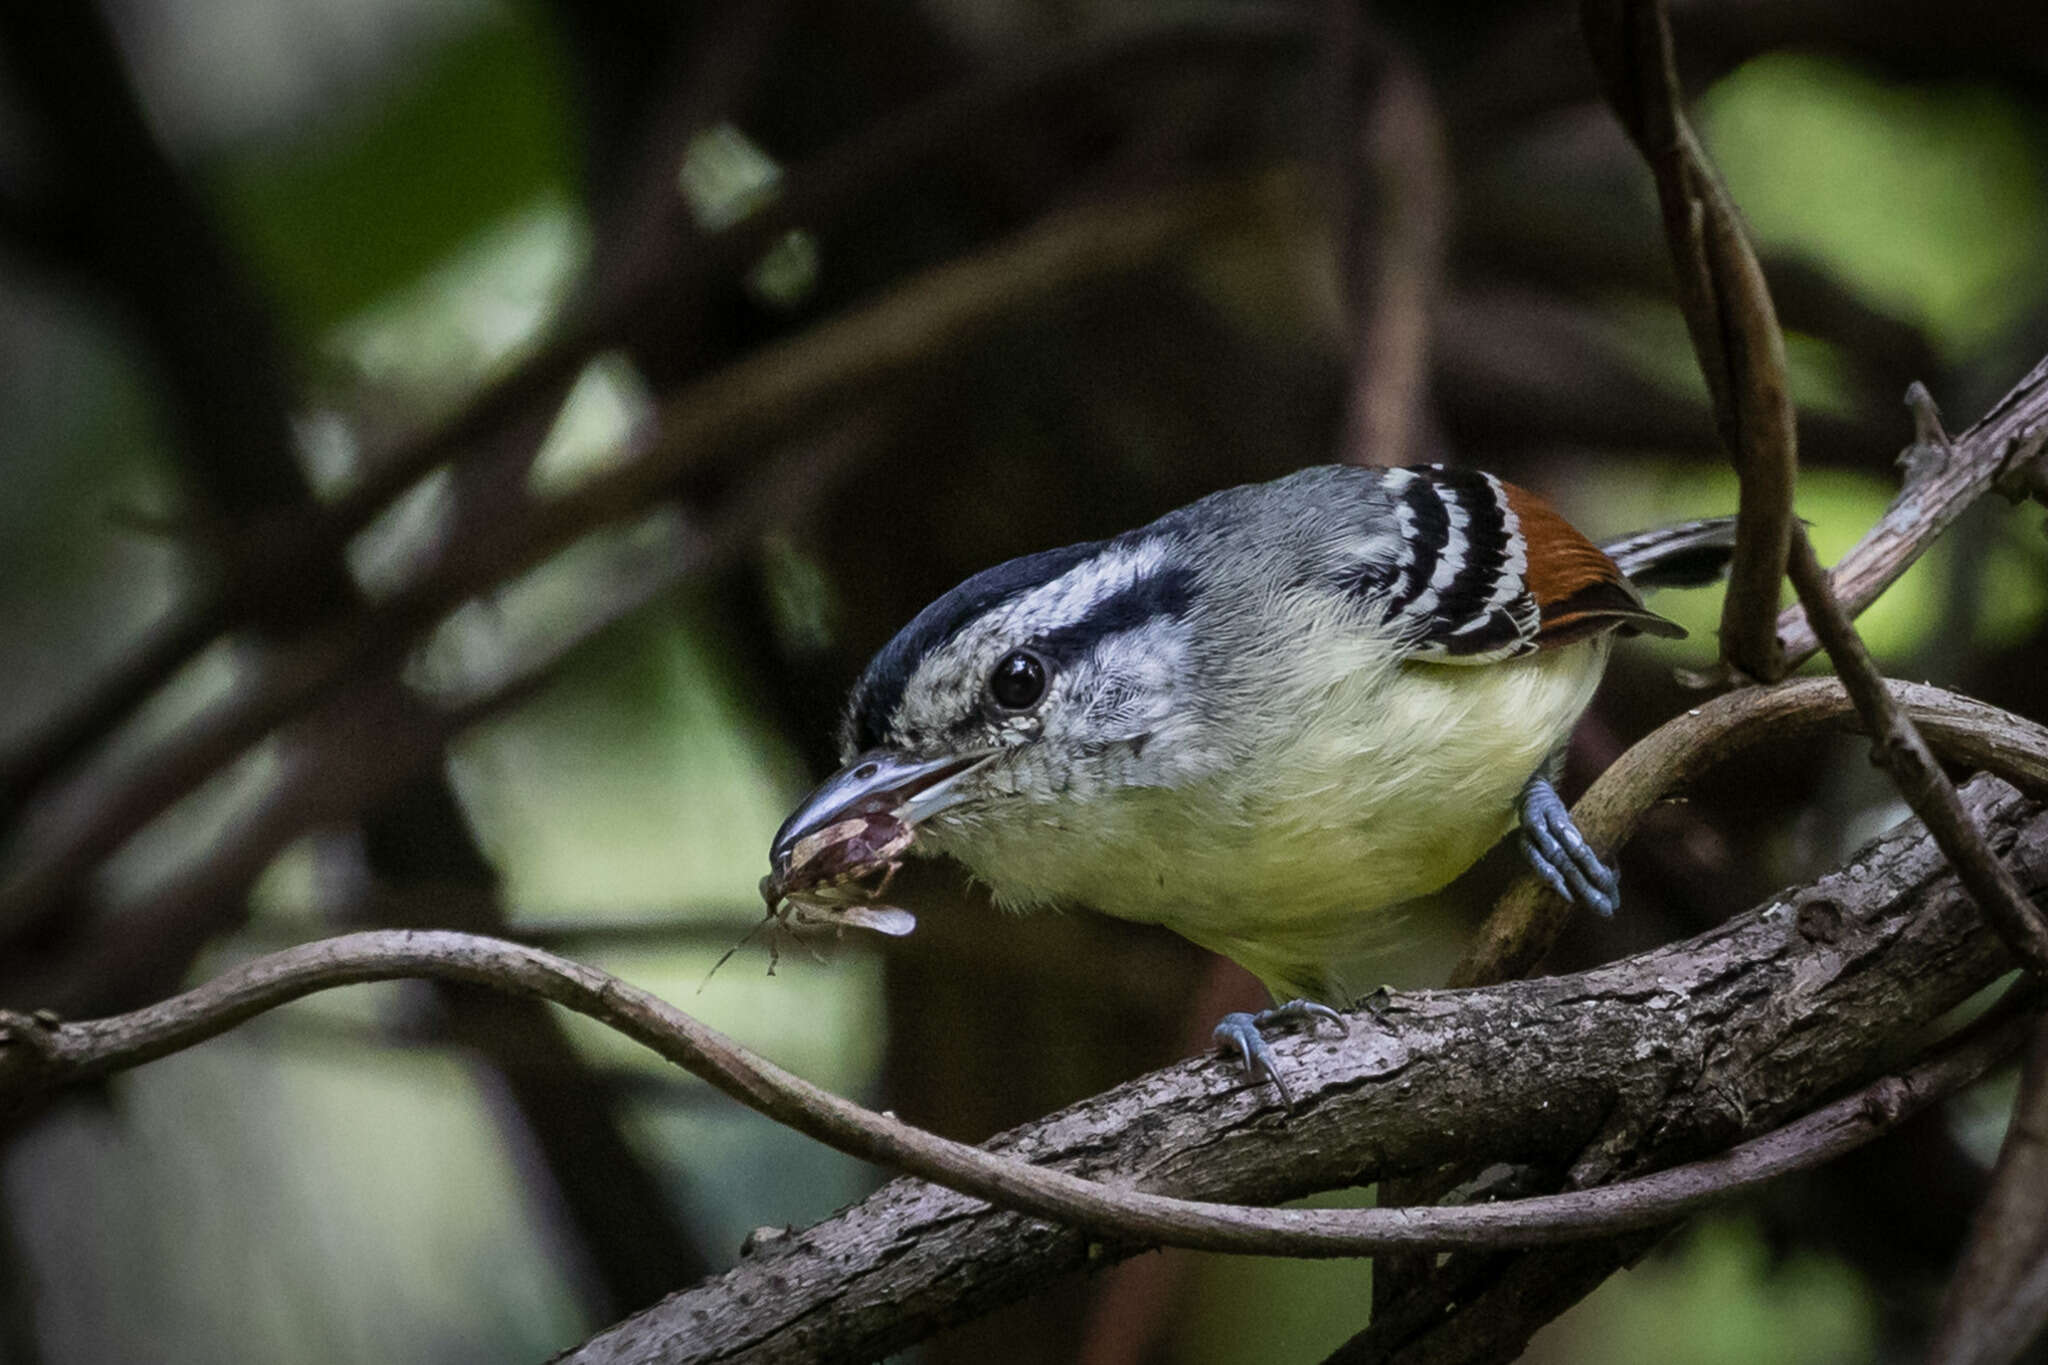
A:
[1244,1034]
[1560,854]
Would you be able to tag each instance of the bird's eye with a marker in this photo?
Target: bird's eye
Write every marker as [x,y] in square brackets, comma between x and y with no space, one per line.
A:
[1019,680]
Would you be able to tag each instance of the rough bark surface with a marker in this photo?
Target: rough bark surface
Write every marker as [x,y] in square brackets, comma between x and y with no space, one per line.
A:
[1642,1063]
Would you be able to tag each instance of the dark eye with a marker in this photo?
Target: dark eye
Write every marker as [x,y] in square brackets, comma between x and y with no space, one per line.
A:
[1019,680]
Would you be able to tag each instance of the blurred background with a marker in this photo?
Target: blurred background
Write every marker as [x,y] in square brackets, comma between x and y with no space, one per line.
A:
[458,453]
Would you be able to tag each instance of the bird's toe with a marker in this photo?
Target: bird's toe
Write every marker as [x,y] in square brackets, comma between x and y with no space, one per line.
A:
[1243,1033]
[1560,854]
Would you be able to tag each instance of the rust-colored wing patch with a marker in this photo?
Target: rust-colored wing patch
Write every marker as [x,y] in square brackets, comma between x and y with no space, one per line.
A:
[1579,591]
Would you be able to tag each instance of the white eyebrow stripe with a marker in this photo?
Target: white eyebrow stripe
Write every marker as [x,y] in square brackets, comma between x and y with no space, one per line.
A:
[1068,599]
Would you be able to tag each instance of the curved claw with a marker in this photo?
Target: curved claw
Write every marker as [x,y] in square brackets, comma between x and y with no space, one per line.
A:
[1244,1033]
[1561,855]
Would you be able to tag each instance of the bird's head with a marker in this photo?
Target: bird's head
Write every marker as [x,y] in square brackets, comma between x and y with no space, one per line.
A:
[1025,692]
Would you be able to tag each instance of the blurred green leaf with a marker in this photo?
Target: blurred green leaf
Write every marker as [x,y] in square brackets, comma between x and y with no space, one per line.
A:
[1718,1299]
[367,202]
[1245,1310]
[1929,200]
[1839,506]
[1651,337]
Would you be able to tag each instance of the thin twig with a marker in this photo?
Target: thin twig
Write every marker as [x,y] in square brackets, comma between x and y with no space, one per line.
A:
[36,1056]
[1522,927]
[1727,310]
[1997,1301]
[1998,454]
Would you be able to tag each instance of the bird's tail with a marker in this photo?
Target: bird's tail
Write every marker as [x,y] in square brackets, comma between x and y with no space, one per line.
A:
[1689,555]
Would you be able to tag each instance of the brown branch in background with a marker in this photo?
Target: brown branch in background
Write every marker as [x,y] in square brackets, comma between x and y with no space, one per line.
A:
[360,744]
[1944,476]
[168,644]
[147,235]
[733,411]
[662,287]
[1727,310]
[1897,746]
[225,375]
[1408,166]
[138,229]
[678,262]
[1522,927]
[1997,1301]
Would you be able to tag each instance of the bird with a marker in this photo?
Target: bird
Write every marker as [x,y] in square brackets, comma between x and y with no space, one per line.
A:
[1267,720]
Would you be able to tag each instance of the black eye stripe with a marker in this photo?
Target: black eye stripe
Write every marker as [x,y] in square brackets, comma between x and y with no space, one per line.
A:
[1162,593]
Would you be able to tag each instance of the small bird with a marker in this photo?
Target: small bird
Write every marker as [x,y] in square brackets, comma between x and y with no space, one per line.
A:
[1266,720]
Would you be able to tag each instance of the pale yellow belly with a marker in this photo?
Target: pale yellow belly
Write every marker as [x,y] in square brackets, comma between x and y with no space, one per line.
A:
[1298,857]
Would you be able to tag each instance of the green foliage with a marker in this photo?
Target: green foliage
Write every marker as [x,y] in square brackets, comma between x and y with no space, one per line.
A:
[1929,200]
[361,205]
[1839,506]
[1718,1298]
[1256,1311]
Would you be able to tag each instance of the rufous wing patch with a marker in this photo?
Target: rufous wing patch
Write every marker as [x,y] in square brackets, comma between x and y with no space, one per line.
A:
[1579,591]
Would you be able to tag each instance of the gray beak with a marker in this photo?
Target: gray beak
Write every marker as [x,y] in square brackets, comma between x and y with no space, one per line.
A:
[878,782]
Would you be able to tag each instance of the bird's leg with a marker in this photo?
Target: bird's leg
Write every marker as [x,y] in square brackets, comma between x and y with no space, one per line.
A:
[1243,1032]
[1560,854]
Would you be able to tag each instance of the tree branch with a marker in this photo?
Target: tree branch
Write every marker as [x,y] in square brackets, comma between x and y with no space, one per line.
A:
[1944,477]
[1709,1040]
[1521,929]
[37,1055]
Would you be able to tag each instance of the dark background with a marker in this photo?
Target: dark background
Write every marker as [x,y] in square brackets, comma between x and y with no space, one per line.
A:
[251,248]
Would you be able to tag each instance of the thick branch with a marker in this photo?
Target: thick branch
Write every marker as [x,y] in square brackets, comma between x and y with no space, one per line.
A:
[1715,1038]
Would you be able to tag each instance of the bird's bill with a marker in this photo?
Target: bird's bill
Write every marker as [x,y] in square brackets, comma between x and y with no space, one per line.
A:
[877,783]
